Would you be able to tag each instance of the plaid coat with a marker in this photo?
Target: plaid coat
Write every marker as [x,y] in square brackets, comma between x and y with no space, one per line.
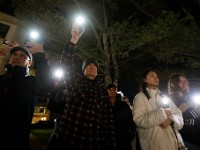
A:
[87,120]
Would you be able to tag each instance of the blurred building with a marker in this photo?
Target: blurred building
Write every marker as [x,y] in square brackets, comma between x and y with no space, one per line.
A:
[41,113]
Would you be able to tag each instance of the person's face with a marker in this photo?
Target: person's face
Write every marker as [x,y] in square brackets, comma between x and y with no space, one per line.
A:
[19,58]
[152,80]
[112,92]
[183,84]
[91,71]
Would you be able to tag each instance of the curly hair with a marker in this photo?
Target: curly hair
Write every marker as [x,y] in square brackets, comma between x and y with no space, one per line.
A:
[173,83]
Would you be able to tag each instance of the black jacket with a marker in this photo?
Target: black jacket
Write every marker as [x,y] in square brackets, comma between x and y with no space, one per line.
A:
[18,93]
[191,129]
[125,126]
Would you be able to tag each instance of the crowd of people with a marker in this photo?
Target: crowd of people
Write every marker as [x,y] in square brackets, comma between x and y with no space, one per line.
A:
[157,124]
[91,114]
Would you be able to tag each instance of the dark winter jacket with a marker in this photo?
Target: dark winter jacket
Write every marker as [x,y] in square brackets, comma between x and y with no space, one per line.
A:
[18,94]
[125,126]
[191,129]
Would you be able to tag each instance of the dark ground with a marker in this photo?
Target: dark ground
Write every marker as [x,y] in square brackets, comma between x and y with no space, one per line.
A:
[39,138]
[36,144]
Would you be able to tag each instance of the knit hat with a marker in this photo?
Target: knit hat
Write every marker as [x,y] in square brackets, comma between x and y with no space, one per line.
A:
[87,62]
[20,48]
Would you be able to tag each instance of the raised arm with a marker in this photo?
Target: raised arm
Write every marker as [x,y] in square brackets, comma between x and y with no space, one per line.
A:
[57,98]
[43,75]
[68,55]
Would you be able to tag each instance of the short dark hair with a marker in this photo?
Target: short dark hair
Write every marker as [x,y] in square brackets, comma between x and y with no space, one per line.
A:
[109,86]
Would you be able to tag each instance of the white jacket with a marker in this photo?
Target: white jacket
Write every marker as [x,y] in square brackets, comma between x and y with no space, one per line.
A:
[148,114]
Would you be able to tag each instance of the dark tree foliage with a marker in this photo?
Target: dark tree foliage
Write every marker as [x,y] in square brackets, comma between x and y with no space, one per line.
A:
[126,37]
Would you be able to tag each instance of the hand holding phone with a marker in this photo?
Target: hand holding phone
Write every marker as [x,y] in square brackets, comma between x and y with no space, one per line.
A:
[78,28]
[33,36]
[34,47]
[76,33]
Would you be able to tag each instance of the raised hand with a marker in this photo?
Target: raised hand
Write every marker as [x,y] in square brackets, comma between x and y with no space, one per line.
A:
[6,46]
[34,47]
[13,44]
[76,33]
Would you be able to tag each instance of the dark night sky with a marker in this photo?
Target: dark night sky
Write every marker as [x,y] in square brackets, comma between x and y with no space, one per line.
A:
[6,6]
[127,87]
[191,6]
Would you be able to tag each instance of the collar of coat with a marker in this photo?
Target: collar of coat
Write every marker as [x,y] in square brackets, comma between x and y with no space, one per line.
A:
[152,91]
[17,70]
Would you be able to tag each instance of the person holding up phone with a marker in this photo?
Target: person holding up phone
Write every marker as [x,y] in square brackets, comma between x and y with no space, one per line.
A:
[87,119]
[19,91]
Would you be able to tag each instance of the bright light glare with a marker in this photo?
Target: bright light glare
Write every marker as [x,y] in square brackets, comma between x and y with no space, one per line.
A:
[43,118]
[196,99]
[58,73]
[165,100]
[34,34]
[80,20]
[120,92]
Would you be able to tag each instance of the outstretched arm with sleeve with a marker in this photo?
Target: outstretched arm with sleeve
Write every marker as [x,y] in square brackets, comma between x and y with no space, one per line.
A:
[57,100]
[43,77]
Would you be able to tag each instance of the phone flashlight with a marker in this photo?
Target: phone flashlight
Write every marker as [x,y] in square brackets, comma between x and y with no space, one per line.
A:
[79,24]
[33,36]
[165,102]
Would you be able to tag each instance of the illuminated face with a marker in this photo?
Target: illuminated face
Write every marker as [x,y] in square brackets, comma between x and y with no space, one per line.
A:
[112,92]
[91,71]
[152,80]
[19,58]
[183,84]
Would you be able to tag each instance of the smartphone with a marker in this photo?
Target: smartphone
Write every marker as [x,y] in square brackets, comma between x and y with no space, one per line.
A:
[6,42]
[31,40]
[80,27]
